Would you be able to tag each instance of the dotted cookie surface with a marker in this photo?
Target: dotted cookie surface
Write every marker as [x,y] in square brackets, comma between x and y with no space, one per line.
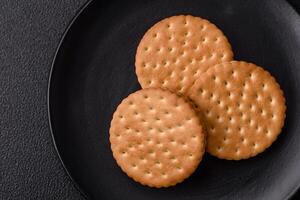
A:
[175,51]
[243,108]
[156,138]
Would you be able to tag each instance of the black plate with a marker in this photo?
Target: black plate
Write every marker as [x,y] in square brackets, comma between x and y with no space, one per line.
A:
[94,70]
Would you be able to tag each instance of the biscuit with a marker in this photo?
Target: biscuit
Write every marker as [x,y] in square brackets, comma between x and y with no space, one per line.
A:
[174,52]
[156,138]
[242,106]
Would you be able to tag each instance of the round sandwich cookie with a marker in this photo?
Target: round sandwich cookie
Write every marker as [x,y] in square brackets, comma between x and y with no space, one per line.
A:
[175,51]
[156,138]
[242,106]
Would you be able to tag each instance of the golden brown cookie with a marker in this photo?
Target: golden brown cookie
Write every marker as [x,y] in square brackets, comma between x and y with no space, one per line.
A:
[175,51]
[156,138]
[243,108]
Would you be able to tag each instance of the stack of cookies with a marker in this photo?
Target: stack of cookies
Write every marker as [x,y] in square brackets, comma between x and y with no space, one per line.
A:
[195,98]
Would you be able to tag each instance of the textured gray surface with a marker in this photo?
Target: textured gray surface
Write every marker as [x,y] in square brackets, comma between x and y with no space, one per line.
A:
[29,34]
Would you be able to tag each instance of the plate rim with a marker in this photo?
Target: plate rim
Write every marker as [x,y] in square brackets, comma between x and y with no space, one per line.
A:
[57,50]
[82,8]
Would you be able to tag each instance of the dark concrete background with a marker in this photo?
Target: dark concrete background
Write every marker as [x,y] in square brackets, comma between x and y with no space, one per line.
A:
[29,34]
